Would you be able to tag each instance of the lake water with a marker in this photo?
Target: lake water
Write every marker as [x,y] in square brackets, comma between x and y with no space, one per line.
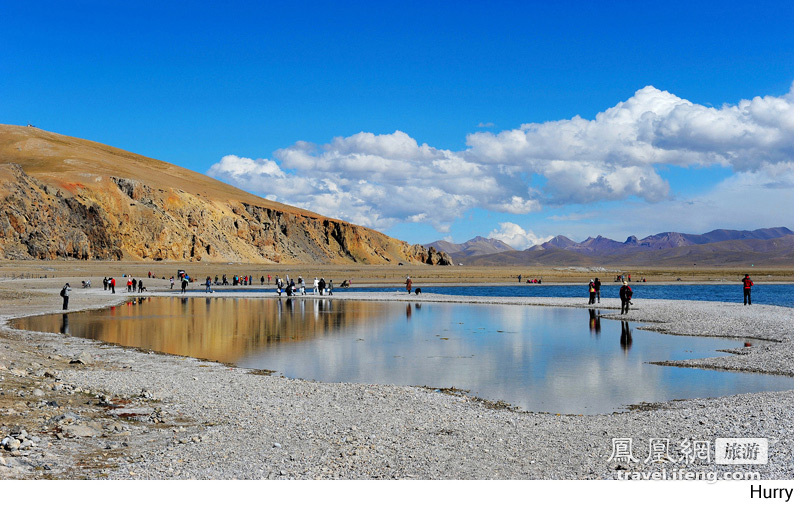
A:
[772,294]
[558,360]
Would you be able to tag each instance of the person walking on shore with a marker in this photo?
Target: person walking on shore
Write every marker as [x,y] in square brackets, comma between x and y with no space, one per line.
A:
[625,294]
[113,284]
[65,295]
[747,283]
[592,292]
[408,284]
[597,290]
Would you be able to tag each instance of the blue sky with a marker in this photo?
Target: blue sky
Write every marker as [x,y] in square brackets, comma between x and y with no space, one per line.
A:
[430,120]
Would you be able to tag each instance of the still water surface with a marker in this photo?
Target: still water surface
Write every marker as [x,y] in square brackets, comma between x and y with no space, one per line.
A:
[537,358]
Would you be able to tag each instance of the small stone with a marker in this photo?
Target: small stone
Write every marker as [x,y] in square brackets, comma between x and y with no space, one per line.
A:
[38,393]
[84,358]
[79,431]
[276,445]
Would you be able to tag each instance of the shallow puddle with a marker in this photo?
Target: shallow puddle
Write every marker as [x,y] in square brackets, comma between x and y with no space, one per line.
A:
[559,360]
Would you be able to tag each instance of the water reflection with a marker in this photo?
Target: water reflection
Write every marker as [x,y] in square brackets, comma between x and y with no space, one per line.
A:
[594,322]
[625,337]
[536,358]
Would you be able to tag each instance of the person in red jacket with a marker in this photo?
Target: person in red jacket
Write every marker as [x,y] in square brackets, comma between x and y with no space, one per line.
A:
[625,294]
[748,283]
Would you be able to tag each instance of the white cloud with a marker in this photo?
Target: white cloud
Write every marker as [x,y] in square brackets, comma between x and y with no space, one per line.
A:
[745,201]
[380,180]
[516,236]
[614,155]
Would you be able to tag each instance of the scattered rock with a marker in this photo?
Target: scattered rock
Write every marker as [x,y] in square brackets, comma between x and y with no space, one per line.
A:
[84,358]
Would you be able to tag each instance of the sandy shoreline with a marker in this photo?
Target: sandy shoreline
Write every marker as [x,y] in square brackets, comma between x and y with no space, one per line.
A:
[123,413]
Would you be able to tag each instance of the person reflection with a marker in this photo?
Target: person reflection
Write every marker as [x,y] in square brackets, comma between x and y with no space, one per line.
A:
[290,305]
[64,324]
[625,338]
[408,310]
[594,322]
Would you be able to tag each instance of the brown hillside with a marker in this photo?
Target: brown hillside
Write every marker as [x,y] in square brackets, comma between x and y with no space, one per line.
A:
[65,197]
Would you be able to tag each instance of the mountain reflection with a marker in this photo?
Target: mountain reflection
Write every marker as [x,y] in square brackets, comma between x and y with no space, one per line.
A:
[222,329]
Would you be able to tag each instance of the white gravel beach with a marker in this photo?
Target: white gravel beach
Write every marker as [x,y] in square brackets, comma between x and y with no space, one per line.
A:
[94,410]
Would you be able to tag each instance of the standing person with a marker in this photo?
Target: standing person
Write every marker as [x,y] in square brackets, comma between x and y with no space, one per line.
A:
[65,295]
[262,280]
[105,283]
[592,292]
[597,289]
[316,284]
[747,283]
[519,278]
[113,284]
[141,286]
[184,284]
[208,284]
[625,294]
[171,282]
[321,286]
[408,284]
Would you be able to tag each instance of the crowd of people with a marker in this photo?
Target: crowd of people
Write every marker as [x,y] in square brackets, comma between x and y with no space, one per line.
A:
[322,287]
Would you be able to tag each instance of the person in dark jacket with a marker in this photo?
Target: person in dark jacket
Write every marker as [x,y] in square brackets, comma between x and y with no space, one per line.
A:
[625,294]
[597,289]
[747,283]
[65,295]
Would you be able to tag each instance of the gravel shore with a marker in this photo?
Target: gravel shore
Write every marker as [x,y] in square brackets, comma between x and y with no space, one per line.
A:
[94,410]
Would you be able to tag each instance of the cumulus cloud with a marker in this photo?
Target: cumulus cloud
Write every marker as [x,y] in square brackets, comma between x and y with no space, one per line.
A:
[380,180]
[516,236]
[615,155]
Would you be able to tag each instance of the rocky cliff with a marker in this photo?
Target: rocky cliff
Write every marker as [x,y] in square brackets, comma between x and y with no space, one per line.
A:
[64,197]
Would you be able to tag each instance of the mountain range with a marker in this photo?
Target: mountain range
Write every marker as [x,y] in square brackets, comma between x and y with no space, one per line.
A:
[766,247]
[69,198]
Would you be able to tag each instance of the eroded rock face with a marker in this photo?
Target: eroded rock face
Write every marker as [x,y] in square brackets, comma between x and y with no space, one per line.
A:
[108,217]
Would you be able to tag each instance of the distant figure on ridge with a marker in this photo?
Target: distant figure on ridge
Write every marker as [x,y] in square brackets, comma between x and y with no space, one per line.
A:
[747,283]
